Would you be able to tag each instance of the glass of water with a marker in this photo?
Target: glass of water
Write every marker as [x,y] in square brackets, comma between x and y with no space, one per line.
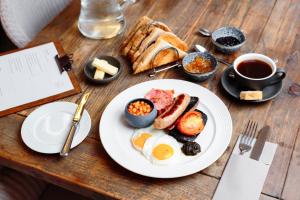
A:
[102,19]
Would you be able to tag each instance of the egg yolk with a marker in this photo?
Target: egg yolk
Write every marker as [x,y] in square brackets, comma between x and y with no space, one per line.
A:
[140,141]
[162,151]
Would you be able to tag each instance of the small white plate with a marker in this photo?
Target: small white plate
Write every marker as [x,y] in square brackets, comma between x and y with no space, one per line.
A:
[115,134]
[45,130]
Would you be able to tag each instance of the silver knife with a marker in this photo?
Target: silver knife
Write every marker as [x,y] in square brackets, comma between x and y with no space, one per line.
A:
[76,119]
[260,143]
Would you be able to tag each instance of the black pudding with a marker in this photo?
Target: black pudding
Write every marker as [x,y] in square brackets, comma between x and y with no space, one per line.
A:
[175,133]
[193,104]
[191,148]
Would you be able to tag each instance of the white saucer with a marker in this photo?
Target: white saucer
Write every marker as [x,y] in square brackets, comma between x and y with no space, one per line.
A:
[45,129]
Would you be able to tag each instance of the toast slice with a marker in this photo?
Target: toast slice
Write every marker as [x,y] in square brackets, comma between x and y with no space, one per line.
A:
[174,40]
[140,34]
[161,26]
[164,56]
[142,21]
[137,40]
[151,38]
[160,34]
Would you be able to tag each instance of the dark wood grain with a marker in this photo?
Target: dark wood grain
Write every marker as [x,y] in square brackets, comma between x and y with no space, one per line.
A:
[272,27]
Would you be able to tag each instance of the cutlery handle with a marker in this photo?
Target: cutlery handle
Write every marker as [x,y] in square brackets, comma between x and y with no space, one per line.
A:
[224,62]
[155,71]
[65,150]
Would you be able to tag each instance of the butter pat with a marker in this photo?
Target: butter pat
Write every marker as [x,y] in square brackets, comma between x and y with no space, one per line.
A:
[99,74]
[104,66]
[251,95]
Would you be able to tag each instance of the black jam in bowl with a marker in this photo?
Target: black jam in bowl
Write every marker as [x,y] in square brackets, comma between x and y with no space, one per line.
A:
[228,41]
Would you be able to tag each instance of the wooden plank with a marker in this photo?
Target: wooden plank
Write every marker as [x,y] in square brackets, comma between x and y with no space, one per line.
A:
[89,170]
[241,112]
[281,39]
[252,10]
[265,197]
[291,186]
[248,11]
[275,113]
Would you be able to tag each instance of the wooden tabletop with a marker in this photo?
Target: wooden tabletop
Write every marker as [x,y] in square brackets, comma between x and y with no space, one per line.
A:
[272,27]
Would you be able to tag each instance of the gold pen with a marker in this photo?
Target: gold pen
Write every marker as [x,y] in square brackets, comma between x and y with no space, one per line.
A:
[76,119]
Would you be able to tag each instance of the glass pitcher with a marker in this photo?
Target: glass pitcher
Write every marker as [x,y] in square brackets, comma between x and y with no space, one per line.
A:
[102,19]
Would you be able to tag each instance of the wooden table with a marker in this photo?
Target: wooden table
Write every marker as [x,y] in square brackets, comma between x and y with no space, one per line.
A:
[272,27]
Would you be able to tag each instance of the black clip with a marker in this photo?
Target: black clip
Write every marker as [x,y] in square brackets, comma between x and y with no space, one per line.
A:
[64,62]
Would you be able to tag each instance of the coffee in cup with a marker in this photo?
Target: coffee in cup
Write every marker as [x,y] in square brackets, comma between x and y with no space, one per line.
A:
[256,71]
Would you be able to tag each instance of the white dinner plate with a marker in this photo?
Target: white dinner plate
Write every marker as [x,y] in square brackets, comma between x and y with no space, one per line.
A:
[115,134]
[45,130]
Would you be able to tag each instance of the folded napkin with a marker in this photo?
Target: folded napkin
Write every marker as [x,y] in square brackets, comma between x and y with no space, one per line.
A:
[244,177]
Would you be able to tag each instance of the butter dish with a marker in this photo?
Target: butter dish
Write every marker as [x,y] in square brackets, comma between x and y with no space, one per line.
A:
[89,70]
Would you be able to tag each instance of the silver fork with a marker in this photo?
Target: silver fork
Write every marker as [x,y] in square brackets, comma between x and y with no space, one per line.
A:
[248,135]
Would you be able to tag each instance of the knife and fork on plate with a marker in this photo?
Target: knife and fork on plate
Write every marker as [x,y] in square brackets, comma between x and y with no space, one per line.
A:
[249,134]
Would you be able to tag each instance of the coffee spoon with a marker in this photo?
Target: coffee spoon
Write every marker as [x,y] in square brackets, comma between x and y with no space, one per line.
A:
[203,50]
[205,32]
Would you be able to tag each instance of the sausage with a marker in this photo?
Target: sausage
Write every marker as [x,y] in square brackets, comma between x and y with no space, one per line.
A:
[192,106]
[170,116]
[162,111]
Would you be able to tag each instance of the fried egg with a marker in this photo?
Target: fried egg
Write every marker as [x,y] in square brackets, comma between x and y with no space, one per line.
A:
[161,149]
[140,136]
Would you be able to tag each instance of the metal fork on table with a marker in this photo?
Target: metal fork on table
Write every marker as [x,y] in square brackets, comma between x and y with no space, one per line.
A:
[248,135]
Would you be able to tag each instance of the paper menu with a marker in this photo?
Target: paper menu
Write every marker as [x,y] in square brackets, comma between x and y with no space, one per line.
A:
[30,75]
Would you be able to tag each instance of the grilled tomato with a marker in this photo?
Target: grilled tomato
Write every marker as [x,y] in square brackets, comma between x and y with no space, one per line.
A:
[191,123]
